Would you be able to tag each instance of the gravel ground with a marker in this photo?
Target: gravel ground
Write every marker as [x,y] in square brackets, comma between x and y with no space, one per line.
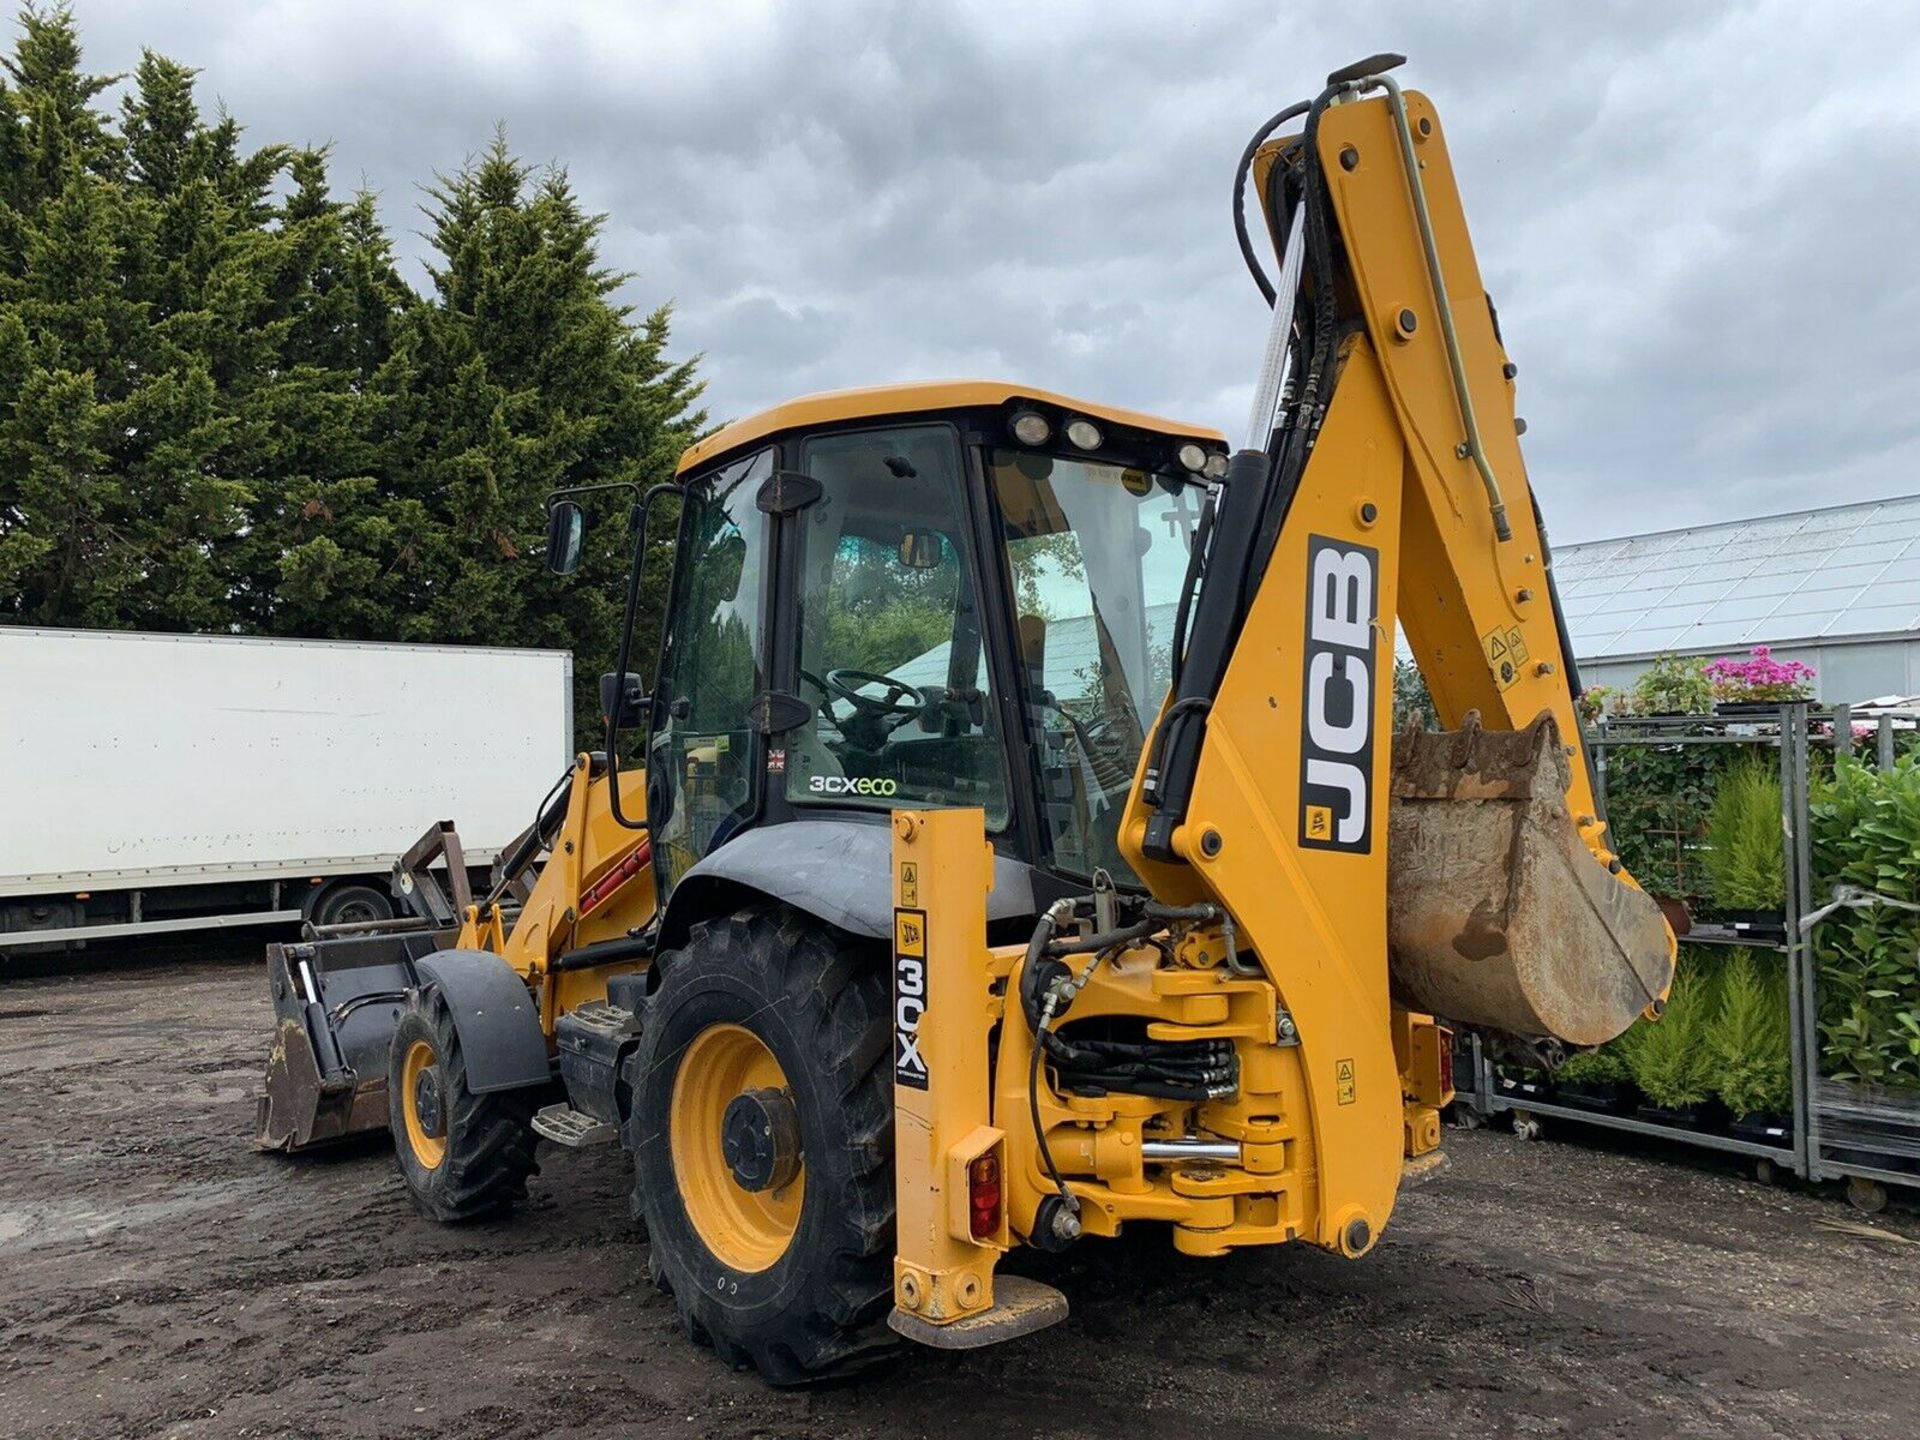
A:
[157,1277]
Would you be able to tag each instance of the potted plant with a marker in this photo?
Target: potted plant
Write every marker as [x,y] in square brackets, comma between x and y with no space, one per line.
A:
[1520,1081]
[1745,857]
[1758,684]
[1594,701]
[1601,1079]
[1670,1062]
[1673,685]
[1750,1047]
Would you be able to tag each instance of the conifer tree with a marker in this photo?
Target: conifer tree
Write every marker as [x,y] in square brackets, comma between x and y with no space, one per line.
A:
[222,409]
[526,374]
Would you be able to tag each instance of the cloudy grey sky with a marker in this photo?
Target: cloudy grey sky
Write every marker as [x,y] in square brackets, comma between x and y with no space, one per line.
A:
[1699,220]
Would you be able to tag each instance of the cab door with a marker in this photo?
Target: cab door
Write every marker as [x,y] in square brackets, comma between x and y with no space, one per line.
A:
[704,758]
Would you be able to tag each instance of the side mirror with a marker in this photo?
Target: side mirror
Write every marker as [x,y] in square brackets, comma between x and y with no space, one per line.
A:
[566,530]
[920,549]
[630,694]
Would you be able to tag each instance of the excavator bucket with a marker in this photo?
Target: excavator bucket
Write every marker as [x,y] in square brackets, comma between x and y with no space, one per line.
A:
[335,1005]
[1499,915]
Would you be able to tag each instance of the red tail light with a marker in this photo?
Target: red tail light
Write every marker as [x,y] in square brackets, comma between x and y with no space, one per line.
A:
[983,1196]
[1445,1039]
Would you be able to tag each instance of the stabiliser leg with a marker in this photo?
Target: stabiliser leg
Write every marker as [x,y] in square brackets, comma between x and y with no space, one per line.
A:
[950,1161]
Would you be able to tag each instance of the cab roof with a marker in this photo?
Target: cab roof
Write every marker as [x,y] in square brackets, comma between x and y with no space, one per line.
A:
[879,401]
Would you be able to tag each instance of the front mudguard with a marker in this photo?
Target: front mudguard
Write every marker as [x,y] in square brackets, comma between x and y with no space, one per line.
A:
[495,1017]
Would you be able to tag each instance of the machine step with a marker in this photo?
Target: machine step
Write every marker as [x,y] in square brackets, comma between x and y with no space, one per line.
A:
[567,1126]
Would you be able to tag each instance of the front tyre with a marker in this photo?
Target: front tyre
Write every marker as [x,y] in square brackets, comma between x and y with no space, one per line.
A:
[762,1137]
[462,1155]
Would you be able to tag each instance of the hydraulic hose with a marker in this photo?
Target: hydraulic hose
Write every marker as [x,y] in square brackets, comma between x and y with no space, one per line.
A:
[1189,583]
[1240,174]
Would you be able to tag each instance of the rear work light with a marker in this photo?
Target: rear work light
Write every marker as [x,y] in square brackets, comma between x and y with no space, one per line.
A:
[983,1196]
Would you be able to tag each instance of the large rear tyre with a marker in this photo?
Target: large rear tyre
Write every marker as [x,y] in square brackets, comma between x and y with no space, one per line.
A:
[762,1140]
[462,1155]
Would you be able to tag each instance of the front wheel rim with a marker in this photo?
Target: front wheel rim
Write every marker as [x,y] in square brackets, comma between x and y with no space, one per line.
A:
[745,1229]
[429,1149]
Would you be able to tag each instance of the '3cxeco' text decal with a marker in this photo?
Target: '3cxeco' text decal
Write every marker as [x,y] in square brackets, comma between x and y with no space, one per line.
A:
[1336,751]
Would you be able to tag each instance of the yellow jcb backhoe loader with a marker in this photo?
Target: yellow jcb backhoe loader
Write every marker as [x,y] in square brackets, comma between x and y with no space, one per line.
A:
[1021,850]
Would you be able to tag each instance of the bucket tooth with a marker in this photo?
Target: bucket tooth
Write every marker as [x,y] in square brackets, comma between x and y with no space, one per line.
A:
[1499,915]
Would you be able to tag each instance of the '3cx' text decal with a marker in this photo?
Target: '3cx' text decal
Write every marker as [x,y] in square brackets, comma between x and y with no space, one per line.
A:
[909,997]
[851,785]
[1336,751]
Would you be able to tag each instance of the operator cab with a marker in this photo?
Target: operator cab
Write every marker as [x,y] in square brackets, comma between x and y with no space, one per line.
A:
[932,595]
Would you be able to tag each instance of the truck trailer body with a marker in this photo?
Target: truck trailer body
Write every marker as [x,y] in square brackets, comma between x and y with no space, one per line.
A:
[154,783]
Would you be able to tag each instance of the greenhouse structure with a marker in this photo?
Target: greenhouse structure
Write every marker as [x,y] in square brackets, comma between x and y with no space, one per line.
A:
[1837,588]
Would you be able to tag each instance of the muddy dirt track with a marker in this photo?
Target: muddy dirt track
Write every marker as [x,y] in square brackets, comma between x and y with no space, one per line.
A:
[157,1277]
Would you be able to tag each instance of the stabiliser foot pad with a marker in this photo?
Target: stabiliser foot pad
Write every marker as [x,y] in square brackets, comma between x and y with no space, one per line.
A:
[1417,1172]
[1020,1307]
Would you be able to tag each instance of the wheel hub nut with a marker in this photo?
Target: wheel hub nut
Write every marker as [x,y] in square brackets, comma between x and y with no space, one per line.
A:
[760,1138]
[426,1102]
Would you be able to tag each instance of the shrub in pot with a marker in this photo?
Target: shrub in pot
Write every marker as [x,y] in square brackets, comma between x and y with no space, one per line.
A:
[1658,800]
[1748,1039]
[1670,1061]
[1673,685]
[1759,681]
[1598,1079]
[1745,858]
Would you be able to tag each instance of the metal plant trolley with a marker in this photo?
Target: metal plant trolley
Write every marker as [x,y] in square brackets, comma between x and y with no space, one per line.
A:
[1839,1130]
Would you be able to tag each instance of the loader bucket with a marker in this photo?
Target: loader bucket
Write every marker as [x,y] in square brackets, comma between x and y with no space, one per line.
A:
[335,1004]
[1499,916]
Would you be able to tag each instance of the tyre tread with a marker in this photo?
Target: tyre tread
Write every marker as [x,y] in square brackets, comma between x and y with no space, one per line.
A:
[836,989]
[490,1138]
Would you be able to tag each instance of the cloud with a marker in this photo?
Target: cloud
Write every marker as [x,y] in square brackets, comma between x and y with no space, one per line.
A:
[1696,219]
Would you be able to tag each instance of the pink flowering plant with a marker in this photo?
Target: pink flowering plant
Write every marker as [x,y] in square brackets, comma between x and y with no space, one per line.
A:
[1760,677]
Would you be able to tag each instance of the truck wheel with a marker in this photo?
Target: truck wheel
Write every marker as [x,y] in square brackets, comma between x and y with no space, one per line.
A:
[351,905]
[762,1139]
[462,1155]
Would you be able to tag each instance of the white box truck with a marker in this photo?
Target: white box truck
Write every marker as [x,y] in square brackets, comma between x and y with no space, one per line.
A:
[155,783]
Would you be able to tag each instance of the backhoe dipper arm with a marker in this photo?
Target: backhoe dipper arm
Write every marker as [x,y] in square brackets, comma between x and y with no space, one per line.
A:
[1389,483]
[1477,607]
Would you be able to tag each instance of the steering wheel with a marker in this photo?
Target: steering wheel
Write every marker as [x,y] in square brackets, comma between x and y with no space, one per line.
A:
[901,701]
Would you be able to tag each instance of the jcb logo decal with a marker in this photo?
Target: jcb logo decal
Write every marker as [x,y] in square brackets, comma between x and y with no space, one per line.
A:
[909,997]
[1336,751]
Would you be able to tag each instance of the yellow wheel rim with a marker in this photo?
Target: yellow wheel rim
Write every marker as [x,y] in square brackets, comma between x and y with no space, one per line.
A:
[746,1229]
[429,1150]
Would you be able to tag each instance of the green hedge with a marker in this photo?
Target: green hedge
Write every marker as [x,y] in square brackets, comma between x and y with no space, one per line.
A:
[1702,823]
[1658,800]
[1866,837]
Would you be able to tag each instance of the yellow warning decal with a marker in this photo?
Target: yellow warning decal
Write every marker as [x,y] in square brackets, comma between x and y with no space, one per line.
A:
[910,933]
[910,883]
[1343,1088]
[1506,652]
